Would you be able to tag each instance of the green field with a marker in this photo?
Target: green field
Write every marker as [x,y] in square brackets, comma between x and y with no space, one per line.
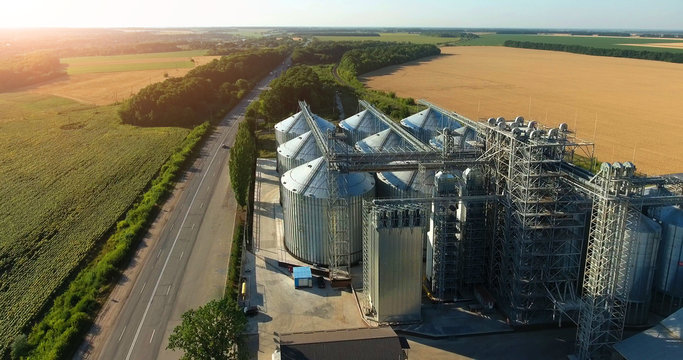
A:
[135,62]
[394,37]
[598,42]
[68,171]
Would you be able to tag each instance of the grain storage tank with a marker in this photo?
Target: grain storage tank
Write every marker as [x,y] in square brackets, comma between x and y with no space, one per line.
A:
[394,269]
[668,282]
[297,151]
[361,125]
[403,184]
[644,235]
[296,125]
[459,136]
[427,124]
[385,140]
[304,200]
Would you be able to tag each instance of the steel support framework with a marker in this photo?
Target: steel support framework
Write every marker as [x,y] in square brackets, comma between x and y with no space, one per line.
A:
[537,207]
[539,225]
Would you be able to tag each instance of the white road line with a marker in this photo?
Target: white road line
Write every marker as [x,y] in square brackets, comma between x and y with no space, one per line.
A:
[152,337]
[124,330]
[143,287]
[168,290]
[187,213]
[193,226]
[181,255]
[158,253]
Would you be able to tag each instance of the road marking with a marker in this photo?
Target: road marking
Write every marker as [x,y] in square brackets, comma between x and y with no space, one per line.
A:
[152,337]
[158,253]
[192,226]
[187,213]
[169,289]
[201,205]
[143,287]
[124,330]
[181,255]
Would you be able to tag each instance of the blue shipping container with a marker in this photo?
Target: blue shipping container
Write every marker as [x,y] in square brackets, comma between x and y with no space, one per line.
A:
[302,277]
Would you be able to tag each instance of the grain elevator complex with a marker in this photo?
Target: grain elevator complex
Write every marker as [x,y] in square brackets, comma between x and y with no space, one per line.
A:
[441,207]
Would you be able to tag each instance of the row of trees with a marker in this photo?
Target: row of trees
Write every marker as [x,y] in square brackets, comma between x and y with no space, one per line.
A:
[359,61]
[29,69]
[587,50]
[202,92]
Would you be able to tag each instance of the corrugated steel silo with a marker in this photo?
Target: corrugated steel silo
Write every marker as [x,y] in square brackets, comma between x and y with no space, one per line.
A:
[385,140]
[426,124]
[304,192]
[296,125]
[403,184]
[668,280]
[361,125]
[644,235]
[459,137]
[297,151]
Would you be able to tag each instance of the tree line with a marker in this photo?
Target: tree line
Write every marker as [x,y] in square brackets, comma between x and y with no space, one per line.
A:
[203,91]
[587,50]
[360,61]
[19,71]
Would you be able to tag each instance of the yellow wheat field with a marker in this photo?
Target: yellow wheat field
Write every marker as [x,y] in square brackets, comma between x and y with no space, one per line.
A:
[632,109]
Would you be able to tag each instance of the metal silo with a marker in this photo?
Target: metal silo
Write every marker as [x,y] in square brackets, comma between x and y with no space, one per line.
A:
[296,125]
[394,269]
[644,235]
[361,125]
[304,201]
[385,140]
[668,282]
[426,124]
[459,137]
[296,152]
[404,184]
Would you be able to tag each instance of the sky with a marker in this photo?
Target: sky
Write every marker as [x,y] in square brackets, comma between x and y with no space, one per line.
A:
[560,14]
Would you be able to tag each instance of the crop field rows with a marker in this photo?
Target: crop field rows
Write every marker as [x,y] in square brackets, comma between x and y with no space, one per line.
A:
[67,173]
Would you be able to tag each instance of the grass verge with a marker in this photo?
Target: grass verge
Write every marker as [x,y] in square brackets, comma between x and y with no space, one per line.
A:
[59,333]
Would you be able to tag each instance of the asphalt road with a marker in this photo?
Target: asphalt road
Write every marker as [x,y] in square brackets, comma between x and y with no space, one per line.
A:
[188,265]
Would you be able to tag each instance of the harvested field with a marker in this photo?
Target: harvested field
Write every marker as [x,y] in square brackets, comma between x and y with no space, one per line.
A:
[630,108]
[672,45]
[103,88]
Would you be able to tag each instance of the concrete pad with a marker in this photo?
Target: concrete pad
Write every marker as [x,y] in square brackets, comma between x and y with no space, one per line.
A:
[282,308]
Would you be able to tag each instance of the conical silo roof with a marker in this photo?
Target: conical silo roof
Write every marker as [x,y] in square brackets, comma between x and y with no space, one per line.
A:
[426,124]
[402,180]
[310,179]
[400,184]
[362,125]
[383,140]
[296,125]
[297,151]
[460,137]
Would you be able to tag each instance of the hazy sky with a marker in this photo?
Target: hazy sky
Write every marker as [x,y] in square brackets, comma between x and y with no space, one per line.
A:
[620,14]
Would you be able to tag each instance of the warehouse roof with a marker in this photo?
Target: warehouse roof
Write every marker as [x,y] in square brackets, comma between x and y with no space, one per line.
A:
[662,341]
[358,344]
